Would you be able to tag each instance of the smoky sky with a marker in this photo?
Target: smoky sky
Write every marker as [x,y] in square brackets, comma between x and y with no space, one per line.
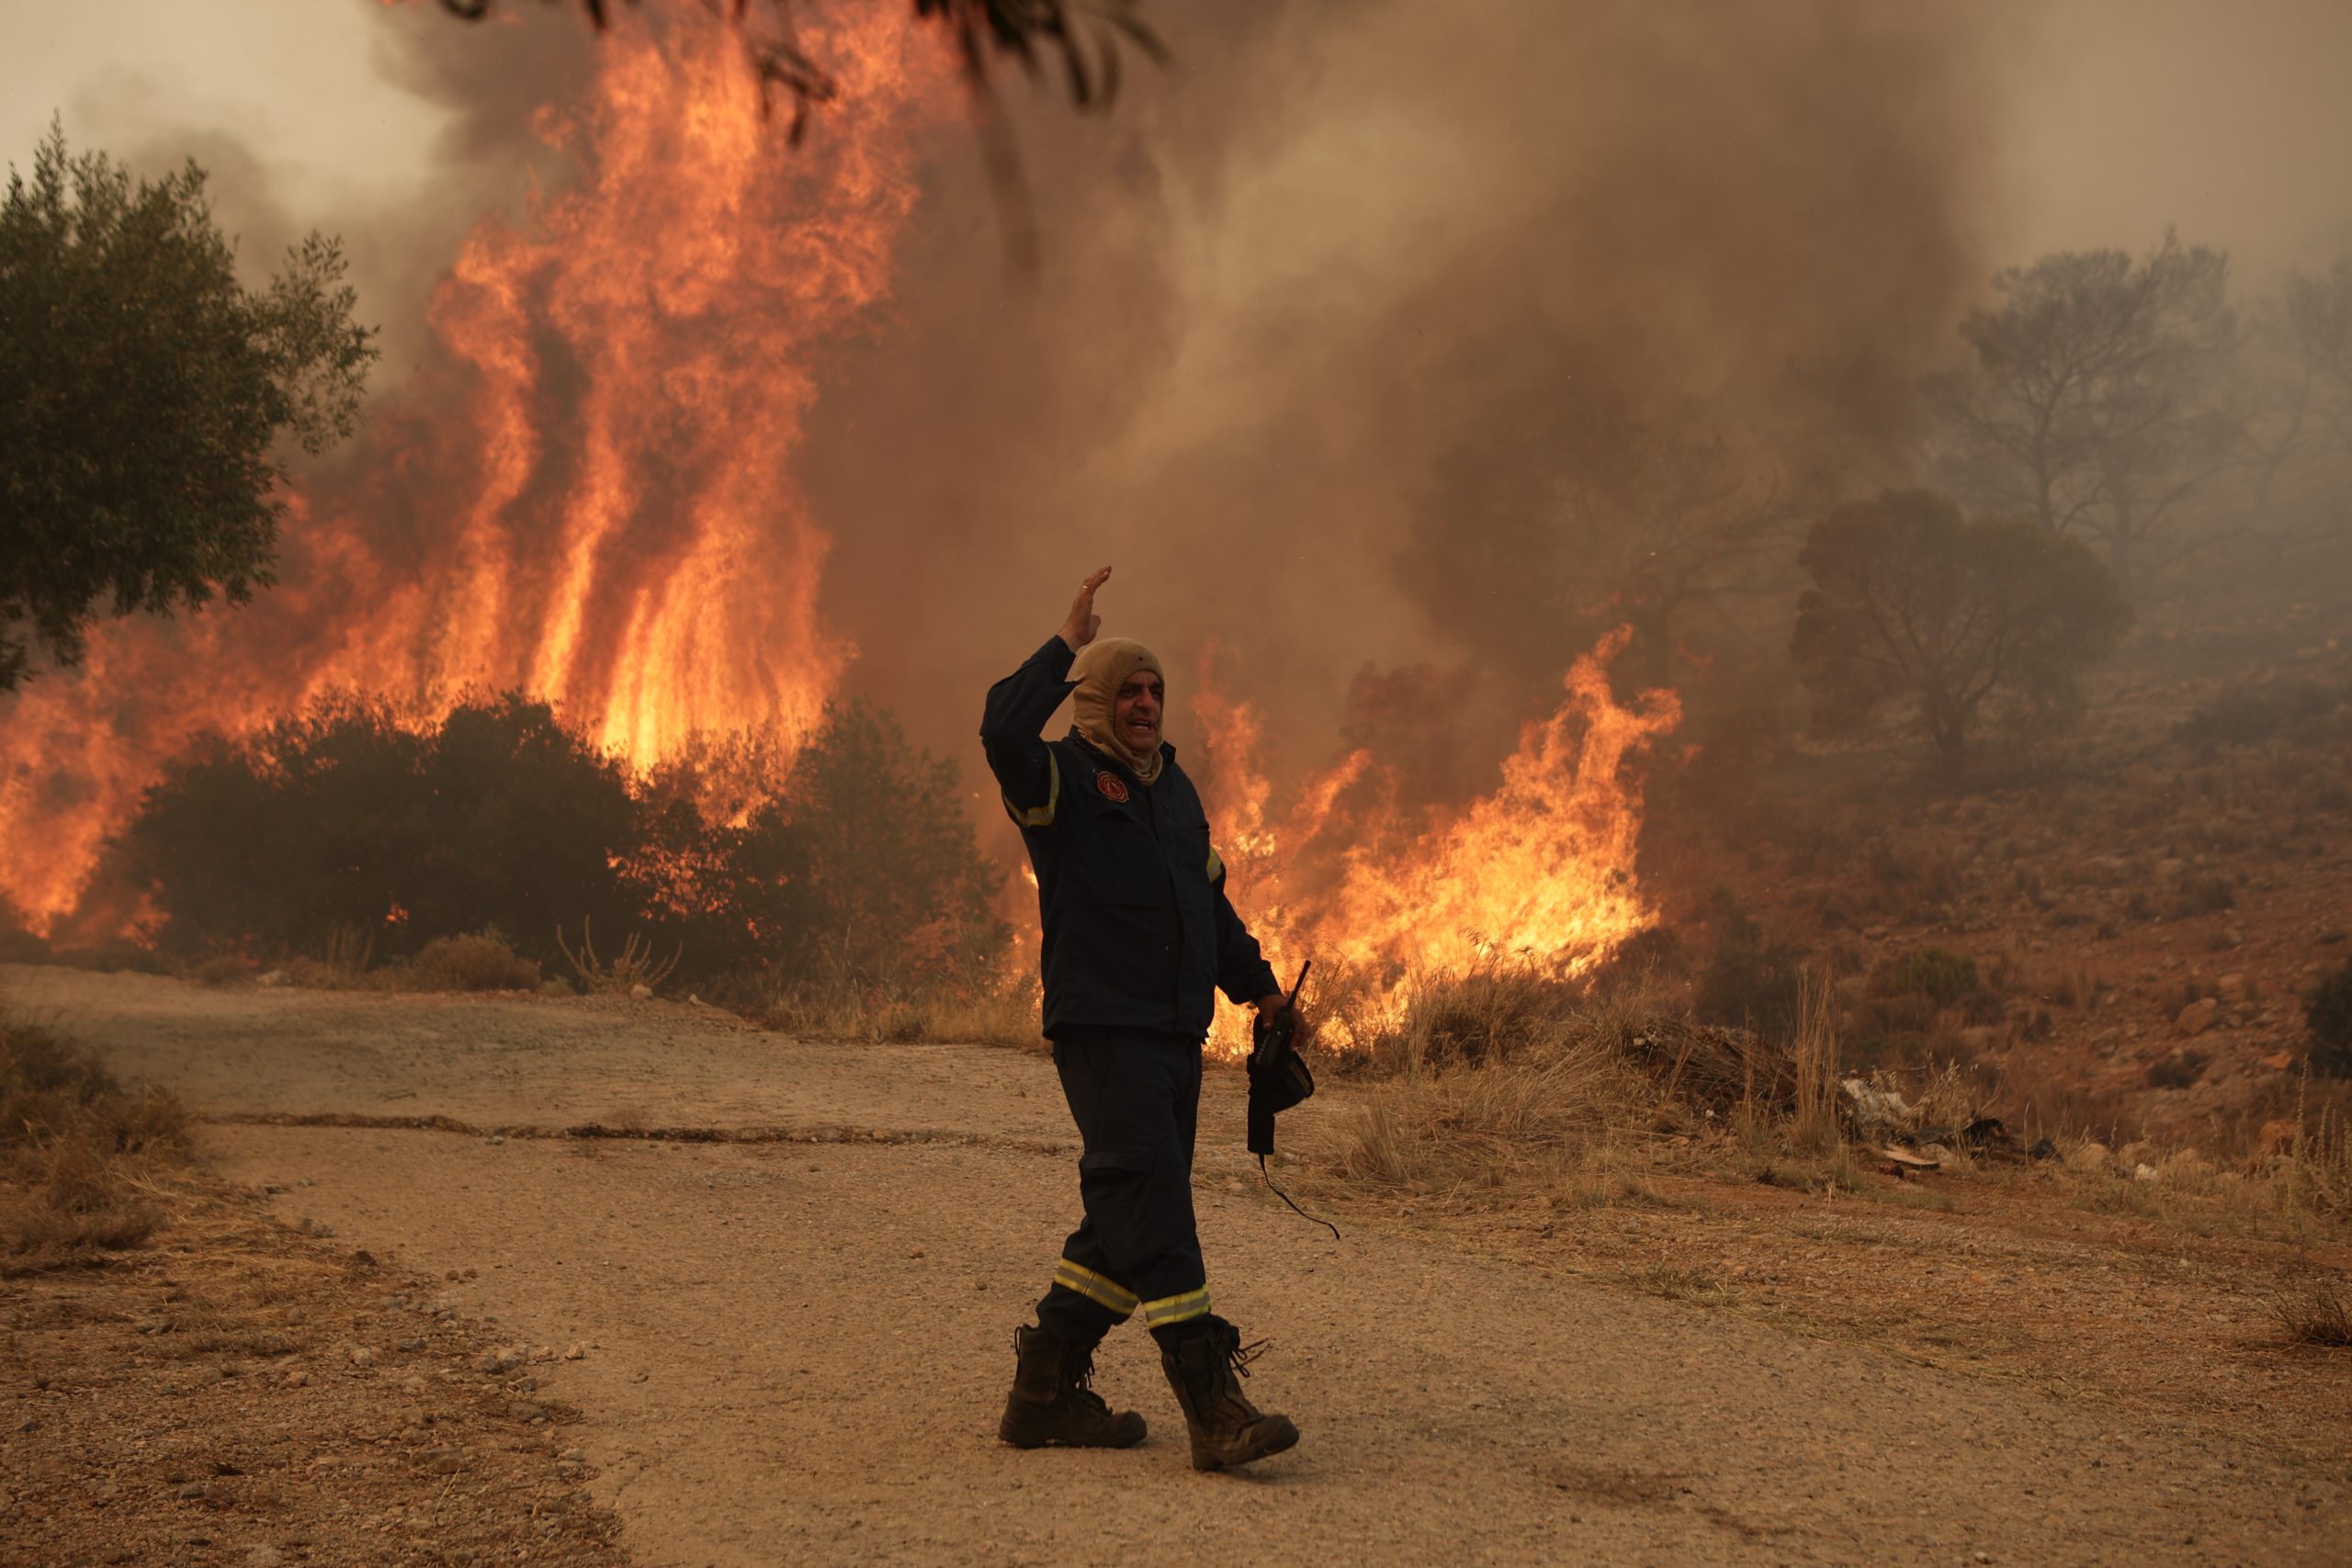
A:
[1308,295]
[1281,287]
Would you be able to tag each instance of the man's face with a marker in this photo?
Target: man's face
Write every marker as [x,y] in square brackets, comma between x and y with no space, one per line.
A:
[1135,715]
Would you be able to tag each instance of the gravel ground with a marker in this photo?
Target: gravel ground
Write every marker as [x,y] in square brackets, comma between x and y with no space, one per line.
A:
[795,1348]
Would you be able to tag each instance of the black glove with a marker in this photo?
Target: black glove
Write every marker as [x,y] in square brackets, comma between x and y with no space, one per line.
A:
[1278,1075]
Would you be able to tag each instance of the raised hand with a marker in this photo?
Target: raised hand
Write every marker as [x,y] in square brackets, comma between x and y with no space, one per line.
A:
[1084,624]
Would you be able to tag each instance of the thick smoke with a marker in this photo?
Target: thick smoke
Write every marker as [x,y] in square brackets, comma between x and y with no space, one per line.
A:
[1310,304]
[1317,306]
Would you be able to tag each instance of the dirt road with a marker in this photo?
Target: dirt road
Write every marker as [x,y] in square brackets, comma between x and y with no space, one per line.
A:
[797,1347]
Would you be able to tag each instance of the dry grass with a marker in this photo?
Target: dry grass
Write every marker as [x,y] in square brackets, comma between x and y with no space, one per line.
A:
[342,964]
[1494,1079]
[2317,1312]
[79,1155]
[1005,1017]
[1500,1086]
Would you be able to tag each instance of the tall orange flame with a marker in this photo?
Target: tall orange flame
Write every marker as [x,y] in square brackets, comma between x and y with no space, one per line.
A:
[1540,870]
[589,500]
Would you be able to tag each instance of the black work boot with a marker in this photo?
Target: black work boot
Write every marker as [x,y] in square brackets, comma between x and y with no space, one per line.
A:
[1227,1428]
[1051,1404]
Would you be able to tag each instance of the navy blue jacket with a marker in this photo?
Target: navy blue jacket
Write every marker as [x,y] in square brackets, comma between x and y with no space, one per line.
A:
[1137,929]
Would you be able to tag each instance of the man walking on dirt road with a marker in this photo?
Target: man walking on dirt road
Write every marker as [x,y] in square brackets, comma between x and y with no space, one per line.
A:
[1137,935]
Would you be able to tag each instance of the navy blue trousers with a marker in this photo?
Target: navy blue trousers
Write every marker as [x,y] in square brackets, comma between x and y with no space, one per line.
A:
[1137,1100]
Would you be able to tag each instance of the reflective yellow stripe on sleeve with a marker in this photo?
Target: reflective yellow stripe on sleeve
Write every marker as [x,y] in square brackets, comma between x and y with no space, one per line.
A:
[1176,1309]
[1040,816]
[1216,867]
[1095,1287]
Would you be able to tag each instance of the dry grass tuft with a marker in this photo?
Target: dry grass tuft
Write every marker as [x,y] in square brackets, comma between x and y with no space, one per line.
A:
[2318,1312]
[79,1153]
[342,964]
[1499,1076]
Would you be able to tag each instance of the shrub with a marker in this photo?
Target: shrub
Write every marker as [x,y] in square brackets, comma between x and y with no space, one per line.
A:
[225,970]
[1750,982]
[482,962]
[2248,716]
[2329,1012]
[850,865]
[863,874]
[347,817]
[1942,977]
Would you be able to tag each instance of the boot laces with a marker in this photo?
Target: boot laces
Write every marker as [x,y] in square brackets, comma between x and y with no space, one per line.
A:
[1078,1379]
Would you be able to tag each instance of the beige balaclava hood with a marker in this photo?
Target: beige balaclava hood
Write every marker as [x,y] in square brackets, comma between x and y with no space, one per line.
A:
[1103,667]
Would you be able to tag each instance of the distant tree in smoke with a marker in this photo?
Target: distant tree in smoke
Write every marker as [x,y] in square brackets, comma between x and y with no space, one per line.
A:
[2096,405]
[1921,618]
[2295,392]
[144,392]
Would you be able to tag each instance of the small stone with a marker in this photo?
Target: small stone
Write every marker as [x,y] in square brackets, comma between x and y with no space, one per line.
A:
[190,1493]
[641,993]
[2143,1172]
[444,1461]
[297,1378]
[574,1351]
[576,1455]
[414,1343]
[362,1357]
[2198,1016]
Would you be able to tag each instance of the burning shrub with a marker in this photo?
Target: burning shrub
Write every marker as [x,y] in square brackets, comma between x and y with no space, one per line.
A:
[2328,1010]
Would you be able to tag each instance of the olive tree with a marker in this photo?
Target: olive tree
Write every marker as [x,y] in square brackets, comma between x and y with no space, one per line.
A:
[144,397]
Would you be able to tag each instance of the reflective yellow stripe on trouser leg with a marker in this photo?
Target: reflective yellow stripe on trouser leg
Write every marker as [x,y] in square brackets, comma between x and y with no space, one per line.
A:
[1095,1287]
[1169,1310]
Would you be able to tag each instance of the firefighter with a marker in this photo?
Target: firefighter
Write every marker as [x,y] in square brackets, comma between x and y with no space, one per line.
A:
[1137,933]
